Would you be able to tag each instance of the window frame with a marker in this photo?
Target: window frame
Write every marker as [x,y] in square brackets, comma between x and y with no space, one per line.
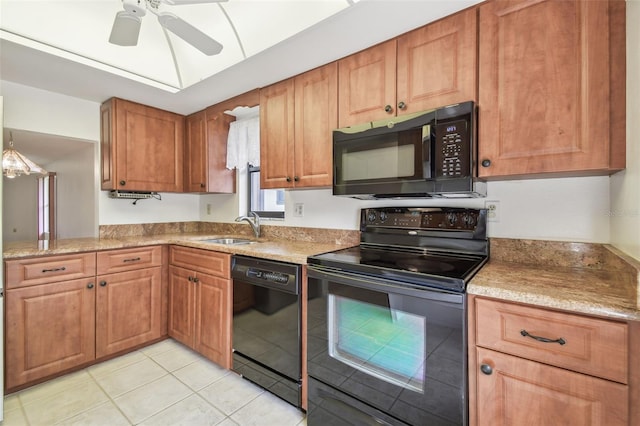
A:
[262,213]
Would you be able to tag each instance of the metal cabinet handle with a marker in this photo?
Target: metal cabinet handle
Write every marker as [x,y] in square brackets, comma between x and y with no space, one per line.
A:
[296,178]
[103,283]
[288,178]
[196,280]
[388,108]
[486,369]
[190,278]
[560,341]
[202,185]
[402,105]
[134,259]
[486,163]
[123,182]
[90,285]
[54,270]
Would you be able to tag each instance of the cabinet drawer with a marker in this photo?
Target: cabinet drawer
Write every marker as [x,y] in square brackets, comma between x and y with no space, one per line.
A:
[129,259]
[209,262]
[48,269]
[589,345]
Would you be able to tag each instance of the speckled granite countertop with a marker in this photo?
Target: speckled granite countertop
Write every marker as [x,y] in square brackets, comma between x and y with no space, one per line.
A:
[287,244]
[592,279]
[286,251]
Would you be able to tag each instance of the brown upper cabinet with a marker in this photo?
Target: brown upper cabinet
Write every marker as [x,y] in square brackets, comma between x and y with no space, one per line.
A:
[552,84]
[141,147]
[297,117]
[426,68]
[206,146]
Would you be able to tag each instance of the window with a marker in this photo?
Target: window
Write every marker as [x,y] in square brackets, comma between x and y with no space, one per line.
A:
[265,202]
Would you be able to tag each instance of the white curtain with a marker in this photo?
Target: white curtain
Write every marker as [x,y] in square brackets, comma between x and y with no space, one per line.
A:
[243,143]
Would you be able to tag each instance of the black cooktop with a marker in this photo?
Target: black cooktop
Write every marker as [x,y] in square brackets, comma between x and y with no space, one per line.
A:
[440,247]
[425,269]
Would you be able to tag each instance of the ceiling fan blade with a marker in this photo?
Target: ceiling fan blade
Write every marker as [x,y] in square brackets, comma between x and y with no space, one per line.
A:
[125,30]
[179,2]
[189,33]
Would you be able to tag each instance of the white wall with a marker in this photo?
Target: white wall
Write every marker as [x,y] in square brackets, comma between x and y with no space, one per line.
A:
[21,223]
[625,186]
[567,209]
[29,108]
[75,213]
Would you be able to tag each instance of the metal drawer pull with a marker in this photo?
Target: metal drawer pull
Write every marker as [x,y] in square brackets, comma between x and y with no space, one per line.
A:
[54,270]
[135,259]
[525,333]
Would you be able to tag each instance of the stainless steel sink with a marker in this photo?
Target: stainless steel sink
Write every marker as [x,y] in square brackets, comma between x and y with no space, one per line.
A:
[229,241]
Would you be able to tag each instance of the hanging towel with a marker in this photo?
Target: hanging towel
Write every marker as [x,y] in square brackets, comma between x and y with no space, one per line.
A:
[243,143]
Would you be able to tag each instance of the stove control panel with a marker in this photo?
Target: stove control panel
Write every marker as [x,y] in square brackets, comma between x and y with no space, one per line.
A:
[423,218]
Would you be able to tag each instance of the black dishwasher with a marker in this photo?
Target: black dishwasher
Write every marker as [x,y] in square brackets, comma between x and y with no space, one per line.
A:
[267,325]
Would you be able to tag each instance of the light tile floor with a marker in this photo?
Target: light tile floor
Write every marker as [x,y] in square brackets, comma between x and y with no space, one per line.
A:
[162,384]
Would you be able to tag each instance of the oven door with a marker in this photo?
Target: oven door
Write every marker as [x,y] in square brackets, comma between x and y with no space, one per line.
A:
[385,350]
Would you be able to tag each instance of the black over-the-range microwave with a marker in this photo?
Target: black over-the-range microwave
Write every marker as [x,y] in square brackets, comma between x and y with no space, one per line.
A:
[427,154]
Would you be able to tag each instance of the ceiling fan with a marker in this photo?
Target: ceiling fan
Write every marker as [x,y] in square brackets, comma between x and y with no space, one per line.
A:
[126,26]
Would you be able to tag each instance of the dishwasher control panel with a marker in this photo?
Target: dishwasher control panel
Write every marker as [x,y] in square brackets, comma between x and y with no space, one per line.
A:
[267,273]
[274,277]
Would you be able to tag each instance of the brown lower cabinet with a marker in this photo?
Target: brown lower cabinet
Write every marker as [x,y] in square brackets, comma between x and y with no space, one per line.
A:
[55,324]
[534,366]
[49,328]
[200,302]
[128,308]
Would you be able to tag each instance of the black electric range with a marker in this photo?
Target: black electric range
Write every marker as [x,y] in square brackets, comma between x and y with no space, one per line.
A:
[386,320]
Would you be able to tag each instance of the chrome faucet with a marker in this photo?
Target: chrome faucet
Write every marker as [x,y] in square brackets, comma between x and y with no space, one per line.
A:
[255,223]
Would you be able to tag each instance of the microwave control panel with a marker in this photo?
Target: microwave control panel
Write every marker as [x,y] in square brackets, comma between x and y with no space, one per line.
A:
[452,150]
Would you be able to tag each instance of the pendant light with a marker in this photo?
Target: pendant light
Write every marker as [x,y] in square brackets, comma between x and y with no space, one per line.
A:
[15,164]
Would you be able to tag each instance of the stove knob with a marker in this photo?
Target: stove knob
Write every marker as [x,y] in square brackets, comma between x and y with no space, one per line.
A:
[371,216]
[468,220]
[383,216]
[452,218]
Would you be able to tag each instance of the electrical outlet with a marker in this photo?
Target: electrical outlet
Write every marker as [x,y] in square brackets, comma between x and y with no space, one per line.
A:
[298,209]
[208,209]
[493,211]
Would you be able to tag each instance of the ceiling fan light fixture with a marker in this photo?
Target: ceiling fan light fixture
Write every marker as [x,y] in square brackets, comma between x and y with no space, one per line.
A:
[125,30]
[189,33]
[135,7]
[15,164]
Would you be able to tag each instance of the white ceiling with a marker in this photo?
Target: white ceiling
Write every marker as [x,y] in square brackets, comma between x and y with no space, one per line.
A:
[62,45]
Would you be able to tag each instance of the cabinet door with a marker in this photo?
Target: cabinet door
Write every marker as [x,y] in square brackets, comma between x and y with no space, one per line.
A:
[277,135]
[128,308]
[195,153]
[219,178]
[147,148]
[437,64]
[522,392]
[50,328]
[316,115]
[213,319]
[367,85]
[182,297]
[544,87]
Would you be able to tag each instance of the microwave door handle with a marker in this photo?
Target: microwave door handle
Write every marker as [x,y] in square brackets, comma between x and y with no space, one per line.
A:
[426,152]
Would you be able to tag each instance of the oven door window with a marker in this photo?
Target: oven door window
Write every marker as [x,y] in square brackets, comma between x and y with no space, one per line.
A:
[381,341]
